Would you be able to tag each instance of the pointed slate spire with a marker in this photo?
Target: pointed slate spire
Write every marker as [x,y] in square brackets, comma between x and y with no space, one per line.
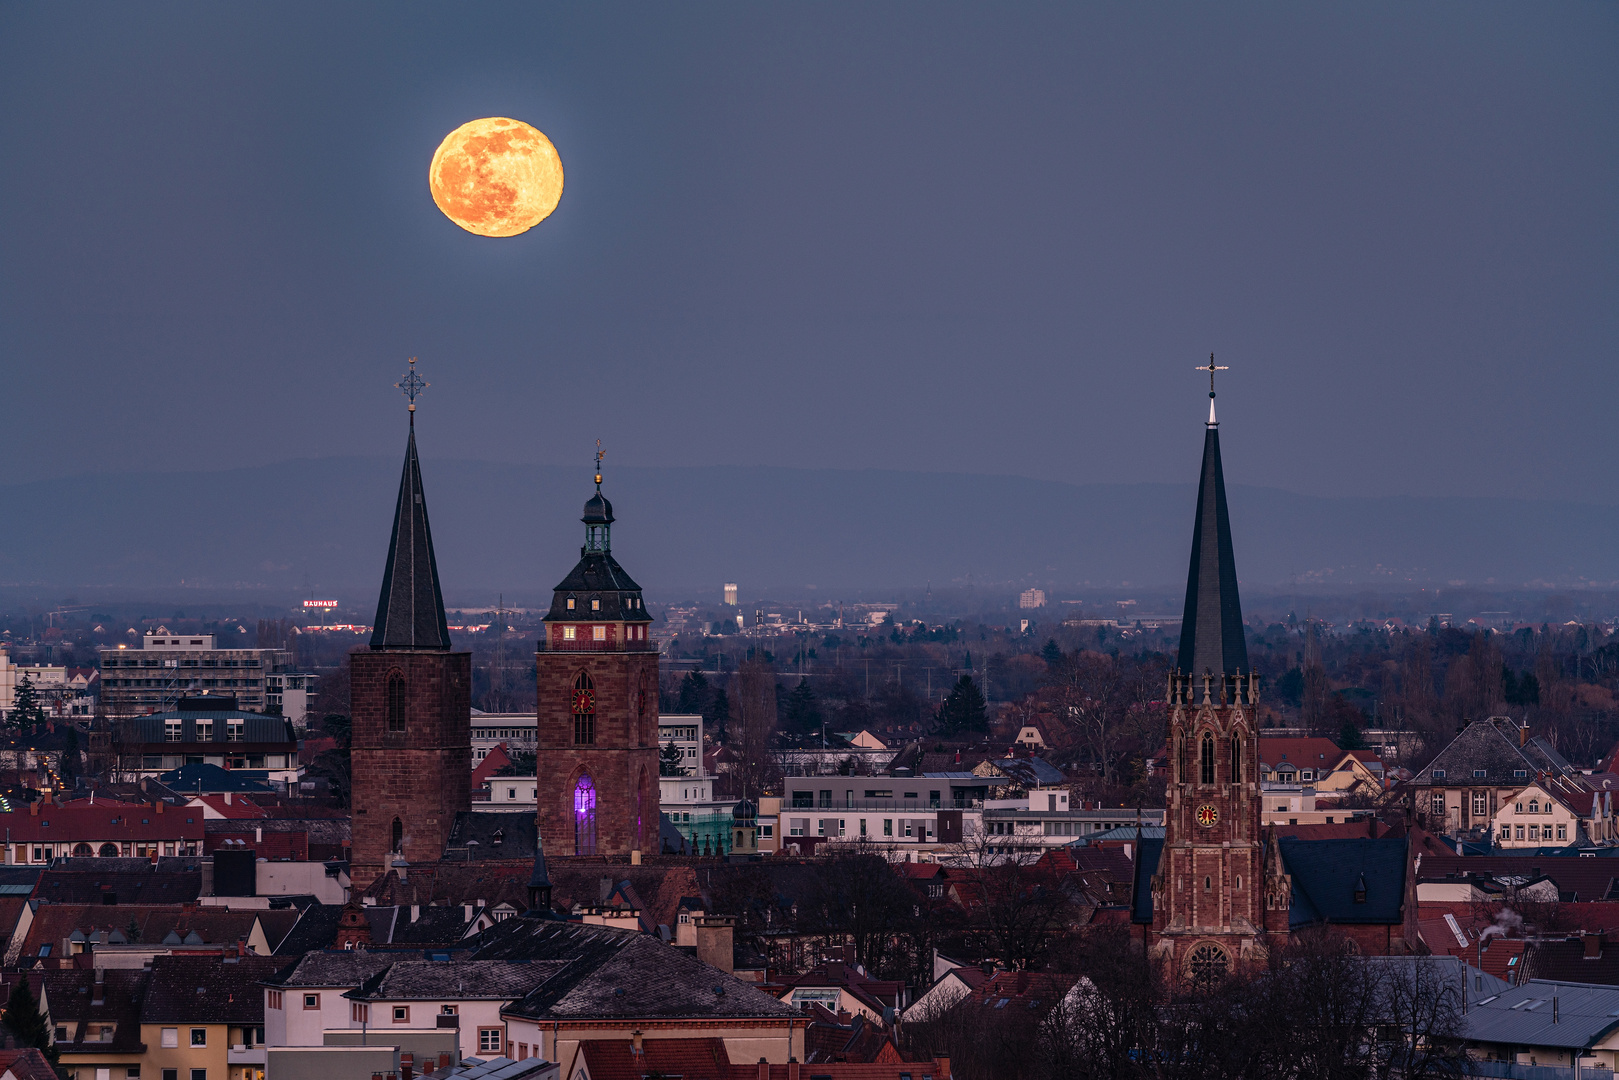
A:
[410,612]
[1211,629]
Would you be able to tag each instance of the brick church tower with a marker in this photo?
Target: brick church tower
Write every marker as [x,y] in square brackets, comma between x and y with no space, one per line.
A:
[597,730]
[1209,894]
[410,698]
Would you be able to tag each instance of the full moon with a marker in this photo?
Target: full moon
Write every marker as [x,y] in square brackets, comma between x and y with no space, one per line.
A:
[496,176]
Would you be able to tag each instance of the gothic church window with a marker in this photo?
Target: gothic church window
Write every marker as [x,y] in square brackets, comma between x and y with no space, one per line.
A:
[1236,760]
[584,816]
[584,712]
[1207,756]
[396,701]
[398,841]
[1207,965]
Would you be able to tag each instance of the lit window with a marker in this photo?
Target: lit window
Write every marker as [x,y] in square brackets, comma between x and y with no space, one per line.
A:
[595,605]
[570,603]
[569,633]
[598,633]
[199,1036]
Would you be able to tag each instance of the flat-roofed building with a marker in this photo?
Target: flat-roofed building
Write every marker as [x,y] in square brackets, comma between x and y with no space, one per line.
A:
[169,666]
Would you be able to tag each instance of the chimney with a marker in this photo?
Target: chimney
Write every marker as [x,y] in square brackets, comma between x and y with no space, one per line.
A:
[444,1061]
[636,1045]
[33,808]
[792,1068]
[376,1076]
[764,1069]
[941,1068]
[1523,732]
[407,1066]
[258,834]
[160,806]
[227,798]
[1593,946]
[47,796]
[715,939]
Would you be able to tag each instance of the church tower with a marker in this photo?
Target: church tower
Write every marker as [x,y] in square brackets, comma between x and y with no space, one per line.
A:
[410,698]
[1209,891]
[597,723]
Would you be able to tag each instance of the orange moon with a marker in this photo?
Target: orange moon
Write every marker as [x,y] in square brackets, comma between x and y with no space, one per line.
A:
[496,176]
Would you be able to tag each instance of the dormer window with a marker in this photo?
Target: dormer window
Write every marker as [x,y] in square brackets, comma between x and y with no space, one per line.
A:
[595,604]
[1439,774]
[571,603]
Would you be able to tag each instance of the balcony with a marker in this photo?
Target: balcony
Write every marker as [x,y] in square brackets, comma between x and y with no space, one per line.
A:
[597,647]
[240,1054]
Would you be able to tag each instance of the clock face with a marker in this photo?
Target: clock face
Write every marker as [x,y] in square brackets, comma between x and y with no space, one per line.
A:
[1207,815]
[584,701]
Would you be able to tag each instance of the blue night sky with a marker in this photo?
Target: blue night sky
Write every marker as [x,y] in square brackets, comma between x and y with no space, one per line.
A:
[975,238]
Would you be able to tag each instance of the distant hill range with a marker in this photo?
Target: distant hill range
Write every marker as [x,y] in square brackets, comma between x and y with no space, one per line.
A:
[325,522]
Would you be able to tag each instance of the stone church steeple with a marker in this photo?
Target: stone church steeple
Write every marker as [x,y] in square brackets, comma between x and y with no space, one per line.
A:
[1210,891]
[410,699]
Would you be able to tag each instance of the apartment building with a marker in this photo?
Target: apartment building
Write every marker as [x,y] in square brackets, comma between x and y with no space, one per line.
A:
[168,667]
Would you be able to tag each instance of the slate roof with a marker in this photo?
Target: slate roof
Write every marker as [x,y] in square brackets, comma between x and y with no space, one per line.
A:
[256,727]
[620,974]
[101,885]
[1584,879]
[1211,628]
[315,929]
[509,835]
[1492,746]
[1522,1015]
[596,575]
[72,999]
[1146,866]
[1327,873]
[208,989]
[331,968]
[410,609]
[441,980]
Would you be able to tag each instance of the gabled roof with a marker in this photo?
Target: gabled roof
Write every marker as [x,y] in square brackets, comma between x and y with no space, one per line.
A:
[75,1004]
[495,760]
[410,610]
[208,989]
[1211,629]
[618,974]
[1299,753]
[316,928]
[27,1064]
[696,1059]
[1328,875]
[331,968]
[1491,747]
[441,980]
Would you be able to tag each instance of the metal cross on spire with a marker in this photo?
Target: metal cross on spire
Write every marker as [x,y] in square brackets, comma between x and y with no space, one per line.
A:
[1211,367]
[599,453]
[412,386]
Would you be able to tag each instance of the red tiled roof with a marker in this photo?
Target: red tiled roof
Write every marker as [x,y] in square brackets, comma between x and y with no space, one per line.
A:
[239,806]
[1300,753]
[692,1059]
[71,823]
[26,1064]
[492,762]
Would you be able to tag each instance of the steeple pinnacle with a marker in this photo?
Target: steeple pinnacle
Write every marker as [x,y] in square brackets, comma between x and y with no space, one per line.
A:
[1211,629]
[410,611]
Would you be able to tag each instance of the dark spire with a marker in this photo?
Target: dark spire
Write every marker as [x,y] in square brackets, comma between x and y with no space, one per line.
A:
[1211,628]
[410,612]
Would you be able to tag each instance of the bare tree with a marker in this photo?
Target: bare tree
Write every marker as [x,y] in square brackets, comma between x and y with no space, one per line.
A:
[754,699]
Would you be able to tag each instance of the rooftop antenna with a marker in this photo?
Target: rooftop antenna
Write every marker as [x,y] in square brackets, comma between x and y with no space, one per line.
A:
[1211,367]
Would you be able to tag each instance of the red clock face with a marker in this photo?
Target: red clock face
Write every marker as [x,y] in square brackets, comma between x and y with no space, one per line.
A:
[1207,816]
[584,701]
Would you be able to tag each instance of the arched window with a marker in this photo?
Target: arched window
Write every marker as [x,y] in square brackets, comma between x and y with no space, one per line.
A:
[83,849]
[1534,806]
[396,701]
[1207,759]
[584,816]
[584,712]
[1207,965]
[109,851]
[1236,760]
[397,845]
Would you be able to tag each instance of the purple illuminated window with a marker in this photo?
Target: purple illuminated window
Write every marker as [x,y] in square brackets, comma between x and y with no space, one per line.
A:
[584,817]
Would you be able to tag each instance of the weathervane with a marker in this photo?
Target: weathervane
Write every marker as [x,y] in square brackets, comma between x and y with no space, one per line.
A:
[599,453]
[1211,367]
[412,386]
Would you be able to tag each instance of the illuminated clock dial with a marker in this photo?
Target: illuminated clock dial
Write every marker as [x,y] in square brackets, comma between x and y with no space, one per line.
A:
[1207,815]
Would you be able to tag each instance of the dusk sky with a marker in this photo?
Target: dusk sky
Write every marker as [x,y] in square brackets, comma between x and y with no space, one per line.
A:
[986,238]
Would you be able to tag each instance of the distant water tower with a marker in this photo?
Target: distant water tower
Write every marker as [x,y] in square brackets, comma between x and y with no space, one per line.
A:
[730,594]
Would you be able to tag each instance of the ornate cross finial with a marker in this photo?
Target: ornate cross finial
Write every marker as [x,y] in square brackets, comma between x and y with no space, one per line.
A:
[412,386]
[1211,367]
[599,453]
